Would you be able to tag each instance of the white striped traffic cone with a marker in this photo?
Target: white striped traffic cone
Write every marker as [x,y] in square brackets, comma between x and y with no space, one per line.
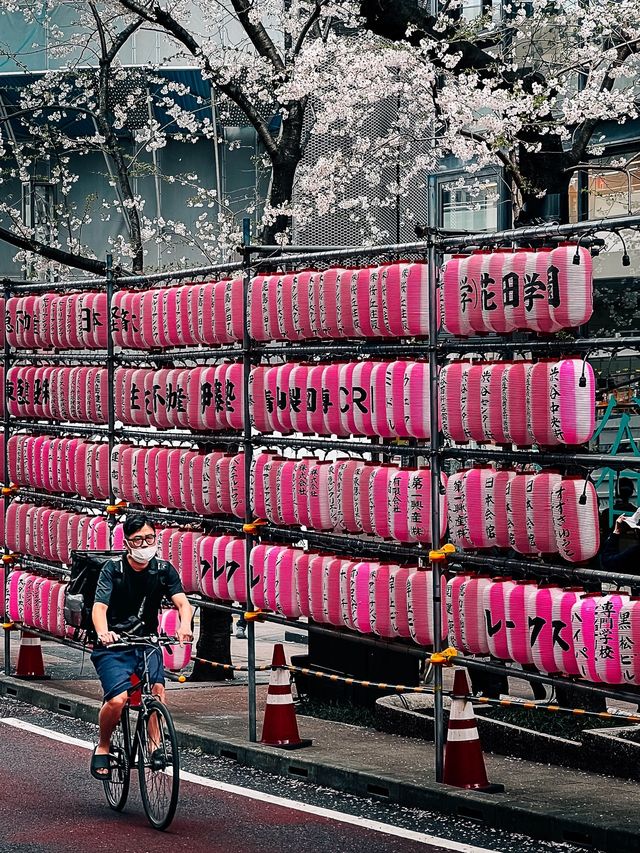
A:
[463,758]
[280,727]
[30,661]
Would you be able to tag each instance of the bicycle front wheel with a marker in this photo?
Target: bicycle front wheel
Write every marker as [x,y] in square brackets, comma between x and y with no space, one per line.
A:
[117,787]
[158,764]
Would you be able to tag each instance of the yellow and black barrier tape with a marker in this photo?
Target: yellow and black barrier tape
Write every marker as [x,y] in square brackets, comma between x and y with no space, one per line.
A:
[535,706]
[403,688]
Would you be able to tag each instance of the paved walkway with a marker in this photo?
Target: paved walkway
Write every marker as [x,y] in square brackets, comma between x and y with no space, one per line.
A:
[542,800]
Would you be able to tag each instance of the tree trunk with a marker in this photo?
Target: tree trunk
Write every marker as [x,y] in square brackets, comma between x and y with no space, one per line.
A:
[543,172]
[281,193]
[214,644]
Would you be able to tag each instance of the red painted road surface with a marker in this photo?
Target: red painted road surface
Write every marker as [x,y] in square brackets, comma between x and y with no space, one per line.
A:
[49,802]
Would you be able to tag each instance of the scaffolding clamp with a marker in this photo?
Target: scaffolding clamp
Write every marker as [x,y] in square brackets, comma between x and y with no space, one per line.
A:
[440,555]
[117,508]
[251,527]
[256,615]
[9,558]
[7,626]
[9,490]
[444,657]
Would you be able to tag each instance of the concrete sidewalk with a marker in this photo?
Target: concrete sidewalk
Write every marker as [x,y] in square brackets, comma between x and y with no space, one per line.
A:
[541,800]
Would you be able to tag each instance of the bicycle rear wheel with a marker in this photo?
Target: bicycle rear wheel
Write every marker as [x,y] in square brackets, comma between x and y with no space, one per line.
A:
[117,787]
[158,764]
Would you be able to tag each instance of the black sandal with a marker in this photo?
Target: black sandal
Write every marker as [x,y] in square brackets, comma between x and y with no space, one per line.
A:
[100,762]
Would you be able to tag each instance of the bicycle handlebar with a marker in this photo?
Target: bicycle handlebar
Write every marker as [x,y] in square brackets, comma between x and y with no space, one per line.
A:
[127,642]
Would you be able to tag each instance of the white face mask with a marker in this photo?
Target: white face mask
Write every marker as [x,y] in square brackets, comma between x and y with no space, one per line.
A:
[143,554]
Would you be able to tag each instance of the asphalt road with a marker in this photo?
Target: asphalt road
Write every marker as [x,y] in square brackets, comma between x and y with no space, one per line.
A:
[49,802]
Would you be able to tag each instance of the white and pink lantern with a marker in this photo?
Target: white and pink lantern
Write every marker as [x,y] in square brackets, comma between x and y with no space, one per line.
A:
[599,644]
[574,507]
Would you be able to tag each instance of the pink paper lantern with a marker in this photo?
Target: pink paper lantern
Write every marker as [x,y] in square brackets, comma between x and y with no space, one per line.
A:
[595,623]
[574,506]
[174,657]
[562,407]
[495,600]
[552,639]
[420,606]
[466,613]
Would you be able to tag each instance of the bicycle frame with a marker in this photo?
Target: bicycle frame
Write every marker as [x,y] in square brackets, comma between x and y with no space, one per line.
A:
[132,740]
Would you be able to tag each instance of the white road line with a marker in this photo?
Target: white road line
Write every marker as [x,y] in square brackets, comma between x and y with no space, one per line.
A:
[260,796]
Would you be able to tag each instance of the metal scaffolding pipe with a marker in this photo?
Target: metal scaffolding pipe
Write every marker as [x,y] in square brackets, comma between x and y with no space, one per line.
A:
[536,232]
[212,438]
[589,461]
[339,349]
[544,570]
[42,359]
[328,444]
[46,427]
[177,275]
[554,681]
[157,356]
[566,345]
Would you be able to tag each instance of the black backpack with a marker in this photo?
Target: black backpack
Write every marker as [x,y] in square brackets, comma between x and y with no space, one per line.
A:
[80,592]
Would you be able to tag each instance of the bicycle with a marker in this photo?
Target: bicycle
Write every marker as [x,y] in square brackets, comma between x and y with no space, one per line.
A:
[152,748]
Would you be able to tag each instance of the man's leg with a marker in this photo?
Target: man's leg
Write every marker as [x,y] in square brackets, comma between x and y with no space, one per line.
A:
[152,726]
[108,719]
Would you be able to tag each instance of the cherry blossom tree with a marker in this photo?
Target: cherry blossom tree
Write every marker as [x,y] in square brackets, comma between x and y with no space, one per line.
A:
[525,88]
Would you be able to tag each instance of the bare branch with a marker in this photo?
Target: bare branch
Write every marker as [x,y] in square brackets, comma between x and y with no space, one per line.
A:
[69,259]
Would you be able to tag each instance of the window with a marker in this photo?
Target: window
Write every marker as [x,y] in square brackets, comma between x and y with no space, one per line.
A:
[38,209]
[469,208]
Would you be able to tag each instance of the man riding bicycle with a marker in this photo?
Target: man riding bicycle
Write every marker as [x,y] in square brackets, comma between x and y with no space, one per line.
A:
[128,598]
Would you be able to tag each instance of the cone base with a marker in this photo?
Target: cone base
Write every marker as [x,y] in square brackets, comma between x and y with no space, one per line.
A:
[33,677]
[491,788]
[288,744]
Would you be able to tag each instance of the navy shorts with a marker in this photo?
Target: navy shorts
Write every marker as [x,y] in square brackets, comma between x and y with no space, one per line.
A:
[116,666]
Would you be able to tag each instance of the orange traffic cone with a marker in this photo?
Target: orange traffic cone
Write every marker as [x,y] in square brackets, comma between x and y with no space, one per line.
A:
[280,727]
[463,759]
[30,662]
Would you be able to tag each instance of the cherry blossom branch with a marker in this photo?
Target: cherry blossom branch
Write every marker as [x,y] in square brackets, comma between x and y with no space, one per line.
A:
[257,33]
[231,89]
[130,208]
[308,24]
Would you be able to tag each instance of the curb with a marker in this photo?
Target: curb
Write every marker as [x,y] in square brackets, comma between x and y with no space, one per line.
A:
[492,810]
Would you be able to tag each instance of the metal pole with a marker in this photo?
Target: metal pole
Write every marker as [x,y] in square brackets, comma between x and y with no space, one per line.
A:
[6,423]
[247,445]
[111,409]
[111,404]
[434,463]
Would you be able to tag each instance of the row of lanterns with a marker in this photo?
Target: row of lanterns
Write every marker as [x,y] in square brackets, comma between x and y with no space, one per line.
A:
[347,495]
[543,513]
[52,534]
[60,465]
[501,291]
[365,596]
[511,290]
[523,403]
[38,602]
[557,630]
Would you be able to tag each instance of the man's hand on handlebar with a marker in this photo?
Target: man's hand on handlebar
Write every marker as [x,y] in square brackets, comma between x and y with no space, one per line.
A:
[108,637]
[184,635]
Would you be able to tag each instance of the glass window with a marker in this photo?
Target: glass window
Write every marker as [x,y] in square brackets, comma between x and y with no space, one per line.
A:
[609,193]
[469,208]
